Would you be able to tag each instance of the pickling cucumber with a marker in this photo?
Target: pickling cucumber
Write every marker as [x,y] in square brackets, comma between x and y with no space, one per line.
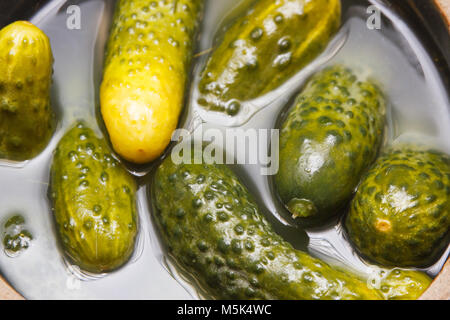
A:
[401,213]
[26,118]
[264,47]
[328,140]
[93,202]
[215,231]
[147,62]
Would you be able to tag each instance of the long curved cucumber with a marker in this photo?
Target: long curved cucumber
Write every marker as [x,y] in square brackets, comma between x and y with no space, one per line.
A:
[214,229]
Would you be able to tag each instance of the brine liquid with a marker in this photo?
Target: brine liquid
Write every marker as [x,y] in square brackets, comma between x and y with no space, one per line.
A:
[392,55]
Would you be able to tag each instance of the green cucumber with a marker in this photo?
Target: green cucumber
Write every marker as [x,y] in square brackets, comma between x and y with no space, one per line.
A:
[401,212]
[93,201]
[328,140]
[215,231]
[26,117]
[264,47]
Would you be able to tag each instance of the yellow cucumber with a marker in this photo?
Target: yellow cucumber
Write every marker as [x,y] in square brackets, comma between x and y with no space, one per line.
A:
[147,62]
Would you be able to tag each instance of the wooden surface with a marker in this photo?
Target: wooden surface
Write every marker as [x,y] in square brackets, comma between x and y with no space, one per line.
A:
[8,293]
[445,8]
[439,289]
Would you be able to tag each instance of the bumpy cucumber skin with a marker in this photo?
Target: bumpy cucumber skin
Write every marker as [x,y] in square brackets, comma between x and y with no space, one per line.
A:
[93,201]
[328,139]
[26,118]
[147,63]
[400,284]
[264,48]
[215,231]
[401,212]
